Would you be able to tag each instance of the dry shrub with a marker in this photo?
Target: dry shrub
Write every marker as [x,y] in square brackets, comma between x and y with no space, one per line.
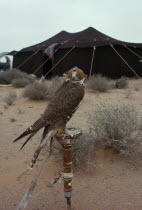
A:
[98,83]
[56,82]
[137,89]
[6,77]
[128,93]
[20,111]
[40,91]
[36,91]
[10,98]
[122,83]
[83,152]
[12,120]
[21,82]
[117,126]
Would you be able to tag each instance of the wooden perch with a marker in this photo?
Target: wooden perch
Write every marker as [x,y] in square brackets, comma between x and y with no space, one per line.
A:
[66,141]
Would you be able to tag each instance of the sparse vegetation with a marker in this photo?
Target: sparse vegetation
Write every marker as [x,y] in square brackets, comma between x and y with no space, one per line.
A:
[117,126]
[56,82]
[20,111]
[41,91]
[83,152]
[122,83]
[36,91]
[98,83]
[10,98]
[137,89]
[128,93]
[21,82]
[6,77]
[12,120]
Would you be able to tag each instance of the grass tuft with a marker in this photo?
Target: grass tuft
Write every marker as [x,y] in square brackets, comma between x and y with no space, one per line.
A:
[10,98]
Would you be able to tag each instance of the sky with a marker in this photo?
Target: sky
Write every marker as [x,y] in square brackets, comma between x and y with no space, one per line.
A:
[28,22]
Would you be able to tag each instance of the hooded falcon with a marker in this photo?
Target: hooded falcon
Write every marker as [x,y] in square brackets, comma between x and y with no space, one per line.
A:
[61,107]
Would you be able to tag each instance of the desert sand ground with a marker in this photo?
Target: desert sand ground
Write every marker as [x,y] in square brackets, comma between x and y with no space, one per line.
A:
[113,185]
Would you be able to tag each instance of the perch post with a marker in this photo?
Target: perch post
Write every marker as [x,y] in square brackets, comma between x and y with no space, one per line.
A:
[67,175]
[66,140]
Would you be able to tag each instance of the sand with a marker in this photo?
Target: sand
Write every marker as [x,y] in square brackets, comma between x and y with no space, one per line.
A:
[114,184]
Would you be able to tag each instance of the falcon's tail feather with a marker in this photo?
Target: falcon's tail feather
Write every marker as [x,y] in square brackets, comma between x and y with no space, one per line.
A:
[28,139]
[40,123]
[25,133]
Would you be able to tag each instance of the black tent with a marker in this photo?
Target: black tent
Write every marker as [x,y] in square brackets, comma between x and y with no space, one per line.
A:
[90,50]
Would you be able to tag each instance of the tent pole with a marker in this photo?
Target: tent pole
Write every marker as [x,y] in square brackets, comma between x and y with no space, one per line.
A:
[92,61]
[125,61]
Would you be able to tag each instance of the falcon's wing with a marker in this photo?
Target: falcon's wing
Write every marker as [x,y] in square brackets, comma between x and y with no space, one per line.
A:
[64,102]
[61,108]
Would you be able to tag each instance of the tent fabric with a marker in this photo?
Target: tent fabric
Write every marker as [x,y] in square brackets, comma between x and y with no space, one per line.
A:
[106,61]
[12,52]
[30,65]
[81,44]
[3,54]
[50,50]
[89,37]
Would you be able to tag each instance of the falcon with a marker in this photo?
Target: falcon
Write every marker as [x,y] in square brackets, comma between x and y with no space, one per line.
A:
[60,109]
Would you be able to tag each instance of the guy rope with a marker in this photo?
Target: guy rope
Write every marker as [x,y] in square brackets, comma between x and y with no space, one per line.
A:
[28,58]
[125,61]
[60,60]
[49,57]
[132,51]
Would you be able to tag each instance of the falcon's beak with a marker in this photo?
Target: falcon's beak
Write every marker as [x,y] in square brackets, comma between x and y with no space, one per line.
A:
[74,76]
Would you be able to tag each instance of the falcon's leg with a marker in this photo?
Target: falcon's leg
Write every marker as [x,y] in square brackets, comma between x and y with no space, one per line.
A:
[35,156]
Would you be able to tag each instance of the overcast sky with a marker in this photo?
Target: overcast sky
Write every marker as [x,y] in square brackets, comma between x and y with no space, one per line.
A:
[28,22]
